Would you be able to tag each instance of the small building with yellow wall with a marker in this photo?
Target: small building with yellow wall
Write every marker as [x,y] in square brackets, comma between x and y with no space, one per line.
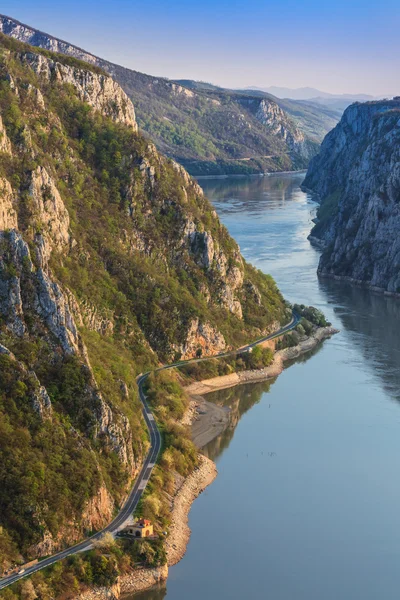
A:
[142,528]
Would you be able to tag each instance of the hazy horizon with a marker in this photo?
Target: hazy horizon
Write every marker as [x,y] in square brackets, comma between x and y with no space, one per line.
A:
[338,50]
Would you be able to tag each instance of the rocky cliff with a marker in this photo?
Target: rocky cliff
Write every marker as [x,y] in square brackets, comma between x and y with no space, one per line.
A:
[111,261]
[278,123]
[208,129]
[357,178]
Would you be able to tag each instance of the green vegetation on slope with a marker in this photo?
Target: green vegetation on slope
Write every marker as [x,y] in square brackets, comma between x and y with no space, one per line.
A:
[209,129]
[136,282]
[258,358]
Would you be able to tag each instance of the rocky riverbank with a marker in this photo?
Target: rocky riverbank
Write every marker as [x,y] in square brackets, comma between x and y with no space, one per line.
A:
[186,491]
[191,487]
[209,420]
[199,388]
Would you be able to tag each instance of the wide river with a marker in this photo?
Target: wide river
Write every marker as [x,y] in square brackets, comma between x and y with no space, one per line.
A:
[306,505]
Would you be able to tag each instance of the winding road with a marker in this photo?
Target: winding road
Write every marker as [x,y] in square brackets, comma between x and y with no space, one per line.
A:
[147,468]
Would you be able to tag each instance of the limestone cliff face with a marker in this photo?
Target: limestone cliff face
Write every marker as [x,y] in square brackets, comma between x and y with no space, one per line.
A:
[36,38]
[212,258]
[357,178]
[201,336]
[277,121]
[99,91]
[8,215]
[278,124]
[5,144]
[32,291]
[49,209]
[266,137]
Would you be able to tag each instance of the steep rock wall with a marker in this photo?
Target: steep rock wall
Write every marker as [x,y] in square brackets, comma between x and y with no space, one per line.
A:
[357,179]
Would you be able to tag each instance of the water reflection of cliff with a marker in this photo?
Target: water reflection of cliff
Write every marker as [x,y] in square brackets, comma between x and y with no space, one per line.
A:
[239,399]
[157,593]
[252,193]
[373,322]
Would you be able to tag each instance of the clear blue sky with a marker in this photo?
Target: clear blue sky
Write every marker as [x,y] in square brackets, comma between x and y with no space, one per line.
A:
[342,46]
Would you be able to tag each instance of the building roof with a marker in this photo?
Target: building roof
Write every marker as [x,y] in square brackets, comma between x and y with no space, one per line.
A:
[142,522]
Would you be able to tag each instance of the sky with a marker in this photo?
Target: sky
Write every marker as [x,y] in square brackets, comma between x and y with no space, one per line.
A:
[350,46]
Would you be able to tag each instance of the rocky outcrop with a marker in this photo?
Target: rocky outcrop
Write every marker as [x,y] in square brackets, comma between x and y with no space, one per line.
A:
[116,429]
[143,579]
[5,144]
[37,94]
[189,181]
[178,89]
[52,307]
[89,316]
[202,246]
[45,296]
[132,583]
[99,510]
[46,547]
[37,38]
[230,273]
[41,400]
[8,214]
[357,179]
[277,121]
[201,337]
[15,253]
[292,131]
[49,209]
[99,91]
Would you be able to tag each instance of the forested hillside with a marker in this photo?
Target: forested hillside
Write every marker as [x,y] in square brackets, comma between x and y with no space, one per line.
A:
[208,129]
[111,261]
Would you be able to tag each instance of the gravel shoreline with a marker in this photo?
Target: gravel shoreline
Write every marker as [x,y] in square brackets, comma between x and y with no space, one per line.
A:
[208,420]
[199,388]
[179,534]
[192,487]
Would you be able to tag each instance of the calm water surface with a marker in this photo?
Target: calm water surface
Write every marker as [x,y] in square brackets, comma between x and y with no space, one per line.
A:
[306,505]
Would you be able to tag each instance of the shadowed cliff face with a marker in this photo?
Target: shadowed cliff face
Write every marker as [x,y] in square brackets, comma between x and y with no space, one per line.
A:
[357,178]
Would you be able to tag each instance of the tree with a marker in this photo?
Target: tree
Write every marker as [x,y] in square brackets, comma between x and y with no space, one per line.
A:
[27,590]
[106,541]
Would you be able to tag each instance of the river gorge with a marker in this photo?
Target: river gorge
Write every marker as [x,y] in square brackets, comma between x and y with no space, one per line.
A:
[306,502]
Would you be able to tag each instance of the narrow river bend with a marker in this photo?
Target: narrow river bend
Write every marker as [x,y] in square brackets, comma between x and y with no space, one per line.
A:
[306,505]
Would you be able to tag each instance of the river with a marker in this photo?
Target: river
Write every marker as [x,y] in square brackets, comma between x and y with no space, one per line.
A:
[306,505]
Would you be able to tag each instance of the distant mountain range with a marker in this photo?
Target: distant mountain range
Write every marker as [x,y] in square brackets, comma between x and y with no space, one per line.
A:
[209,130]
[309,93]
[338,101]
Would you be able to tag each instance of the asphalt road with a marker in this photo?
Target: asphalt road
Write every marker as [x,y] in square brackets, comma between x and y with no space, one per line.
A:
[148,465]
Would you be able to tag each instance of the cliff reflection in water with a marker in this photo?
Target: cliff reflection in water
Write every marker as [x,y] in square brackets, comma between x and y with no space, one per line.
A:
[239,399]
[252,193]
[157,593]
[373,323]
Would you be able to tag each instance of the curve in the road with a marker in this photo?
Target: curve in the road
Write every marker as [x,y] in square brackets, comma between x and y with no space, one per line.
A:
[148,465]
